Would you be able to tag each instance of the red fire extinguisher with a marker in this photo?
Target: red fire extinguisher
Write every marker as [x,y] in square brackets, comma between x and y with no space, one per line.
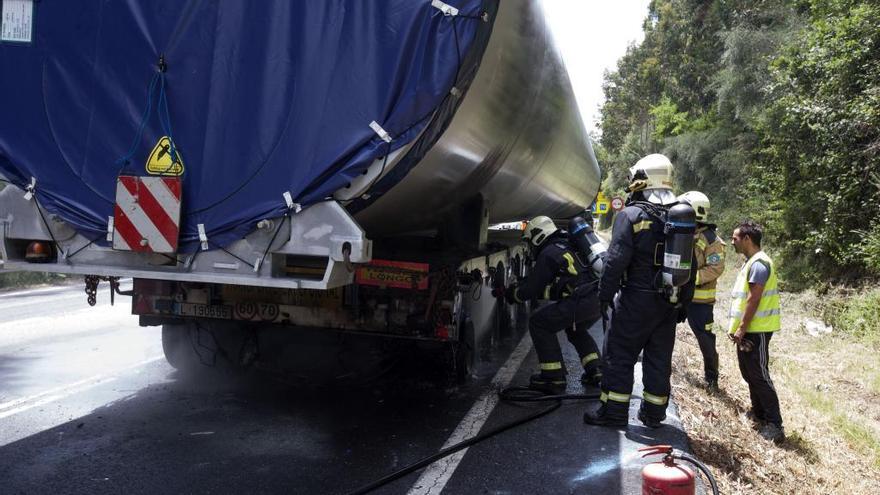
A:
[666,477]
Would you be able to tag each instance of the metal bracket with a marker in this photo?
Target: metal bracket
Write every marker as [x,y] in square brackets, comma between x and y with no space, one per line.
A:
[380,131]
[444,7]
[203,237]
[109,229]
[31,189]
[288,198]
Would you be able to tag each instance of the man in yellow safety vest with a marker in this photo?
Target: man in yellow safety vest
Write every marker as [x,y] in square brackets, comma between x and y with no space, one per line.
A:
[754,316]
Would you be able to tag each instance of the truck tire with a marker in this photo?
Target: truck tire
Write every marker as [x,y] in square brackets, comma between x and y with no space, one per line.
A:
[196,346]
[459,355]
[177,347]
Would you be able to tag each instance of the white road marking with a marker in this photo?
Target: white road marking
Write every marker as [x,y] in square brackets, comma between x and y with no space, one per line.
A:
[30,296]
[435,476]
[41,290]
[31,302]
[52,395]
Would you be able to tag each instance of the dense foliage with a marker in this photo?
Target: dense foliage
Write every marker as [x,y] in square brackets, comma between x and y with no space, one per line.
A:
[770,107]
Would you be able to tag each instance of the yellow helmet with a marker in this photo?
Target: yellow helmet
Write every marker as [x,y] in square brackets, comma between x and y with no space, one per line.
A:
[538,229]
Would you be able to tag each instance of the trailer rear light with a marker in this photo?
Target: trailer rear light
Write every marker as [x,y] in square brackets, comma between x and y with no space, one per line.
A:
[442,332]
[39,252]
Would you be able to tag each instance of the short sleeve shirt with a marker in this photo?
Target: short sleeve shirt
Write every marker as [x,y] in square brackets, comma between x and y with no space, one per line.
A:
[759,273]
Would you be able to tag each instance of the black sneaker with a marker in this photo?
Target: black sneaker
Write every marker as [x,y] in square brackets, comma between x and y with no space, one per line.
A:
[772,432]
[547,385]
[600,417]
[649,421]
[756,419]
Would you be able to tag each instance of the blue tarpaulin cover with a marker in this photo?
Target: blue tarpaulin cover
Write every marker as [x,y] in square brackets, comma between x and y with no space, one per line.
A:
[260,98]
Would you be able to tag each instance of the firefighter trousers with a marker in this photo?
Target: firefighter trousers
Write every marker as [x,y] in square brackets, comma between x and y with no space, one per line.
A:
[574,314]
[701,320]
[642,321]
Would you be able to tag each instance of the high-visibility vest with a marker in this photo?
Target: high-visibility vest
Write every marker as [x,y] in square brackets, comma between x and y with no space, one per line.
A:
[766,317]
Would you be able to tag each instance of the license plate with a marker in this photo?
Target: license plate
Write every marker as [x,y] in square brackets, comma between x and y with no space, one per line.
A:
[205,311]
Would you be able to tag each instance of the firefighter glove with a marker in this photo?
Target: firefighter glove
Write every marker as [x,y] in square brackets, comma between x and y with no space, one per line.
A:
[510,295]
[682,315]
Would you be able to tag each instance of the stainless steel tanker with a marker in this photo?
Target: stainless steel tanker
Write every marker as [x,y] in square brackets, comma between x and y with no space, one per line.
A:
[402,250]
[517,139]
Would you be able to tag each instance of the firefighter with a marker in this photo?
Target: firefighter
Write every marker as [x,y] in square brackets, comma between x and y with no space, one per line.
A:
[709,257]
[561,276]
[643,319]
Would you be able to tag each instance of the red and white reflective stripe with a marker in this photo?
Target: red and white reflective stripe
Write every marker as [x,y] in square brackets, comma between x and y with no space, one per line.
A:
[147,214]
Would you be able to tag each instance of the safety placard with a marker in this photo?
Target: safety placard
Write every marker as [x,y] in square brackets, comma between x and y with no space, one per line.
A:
[165,159]
[398,274]
[17,24]
[147,214]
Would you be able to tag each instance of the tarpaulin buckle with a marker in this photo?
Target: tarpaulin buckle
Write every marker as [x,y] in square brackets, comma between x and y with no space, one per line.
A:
[380,131]
[257,263]
[444,7]
[288,198]
[109,229]
[31,189]
[203,237]
[455,92]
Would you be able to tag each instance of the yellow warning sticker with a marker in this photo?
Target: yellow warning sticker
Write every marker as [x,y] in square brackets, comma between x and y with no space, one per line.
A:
[160,161]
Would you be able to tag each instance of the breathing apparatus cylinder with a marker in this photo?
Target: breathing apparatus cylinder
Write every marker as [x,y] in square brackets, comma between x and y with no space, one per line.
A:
[681,224]
[588,244]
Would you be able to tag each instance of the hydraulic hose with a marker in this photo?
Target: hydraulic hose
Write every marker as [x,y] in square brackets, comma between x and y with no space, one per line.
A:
[512,394]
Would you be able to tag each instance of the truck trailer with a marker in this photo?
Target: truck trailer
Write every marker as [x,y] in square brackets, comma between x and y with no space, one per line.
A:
[323,166]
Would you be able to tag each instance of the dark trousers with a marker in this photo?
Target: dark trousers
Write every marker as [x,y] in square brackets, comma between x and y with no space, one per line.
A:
[575,315]
[755,369]
[701,319]
[641,321]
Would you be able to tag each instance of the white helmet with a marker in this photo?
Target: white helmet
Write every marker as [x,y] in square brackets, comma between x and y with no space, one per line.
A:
[538,229]
[653,176]
[699,202]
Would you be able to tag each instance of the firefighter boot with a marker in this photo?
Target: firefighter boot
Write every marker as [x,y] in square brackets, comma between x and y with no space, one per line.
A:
[609,413]
[548,383]
[652,415]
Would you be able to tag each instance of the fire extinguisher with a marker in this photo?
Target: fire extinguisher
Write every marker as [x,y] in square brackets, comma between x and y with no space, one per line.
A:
[665,477]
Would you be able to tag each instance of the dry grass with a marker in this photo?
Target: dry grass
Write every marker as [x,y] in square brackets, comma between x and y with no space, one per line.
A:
[829,393]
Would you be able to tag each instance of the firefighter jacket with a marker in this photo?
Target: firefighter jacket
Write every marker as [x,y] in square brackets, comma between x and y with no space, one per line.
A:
[635,255]
[709,256]
[558,272]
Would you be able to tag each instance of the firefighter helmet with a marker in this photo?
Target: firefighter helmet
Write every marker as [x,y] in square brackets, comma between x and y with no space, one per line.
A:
[699,202]
[652,176]
[538,230]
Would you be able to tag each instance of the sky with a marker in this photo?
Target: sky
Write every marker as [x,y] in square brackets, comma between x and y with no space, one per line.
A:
[592,35]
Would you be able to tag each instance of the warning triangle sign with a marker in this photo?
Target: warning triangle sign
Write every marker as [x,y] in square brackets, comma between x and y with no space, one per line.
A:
[160,161]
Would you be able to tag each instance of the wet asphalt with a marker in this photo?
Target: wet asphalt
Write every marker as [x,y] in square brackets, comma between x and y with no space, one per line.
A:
[89,405]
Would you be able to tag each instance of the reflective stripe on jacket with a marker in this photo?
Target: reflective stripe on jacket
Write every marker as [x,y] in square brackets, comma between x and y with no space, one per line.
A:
[766,317]
[709,254]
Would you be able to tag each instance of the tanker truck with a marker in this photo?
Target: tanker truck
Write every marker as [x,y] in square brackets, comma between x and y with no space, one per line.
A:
[324,166]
